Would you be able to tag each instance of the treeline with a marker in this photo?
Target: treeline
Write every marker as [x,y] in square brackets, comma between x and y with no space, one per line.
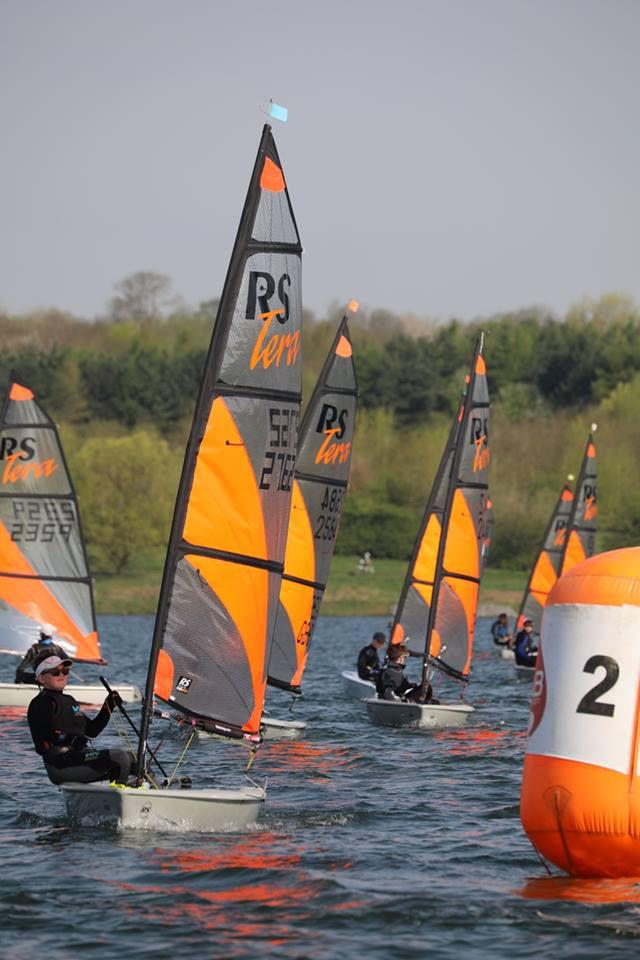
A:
[139,374]
[124,387]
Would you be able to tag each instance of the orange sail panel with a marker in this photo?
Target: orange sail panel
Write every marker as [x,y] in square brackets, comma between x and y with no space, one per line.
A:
[436,613]
[322,474]
[569,539]
[581,542]
[546,568]
[219,595]
[45,582]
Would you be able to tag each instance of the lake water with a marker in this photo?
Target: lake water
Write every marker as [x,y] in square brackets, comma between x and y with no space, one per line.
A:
[373,842]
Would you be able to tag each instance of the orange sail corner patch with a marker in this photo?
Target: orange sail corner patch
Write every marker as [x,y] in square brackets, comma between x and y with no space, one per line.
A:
[271,177]
[18,392]
[344,348]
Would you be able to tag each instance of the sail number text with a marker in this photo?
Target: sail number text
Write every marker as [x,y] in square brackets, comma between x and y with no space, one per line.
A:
[280,459]
[39,521]
[327,525]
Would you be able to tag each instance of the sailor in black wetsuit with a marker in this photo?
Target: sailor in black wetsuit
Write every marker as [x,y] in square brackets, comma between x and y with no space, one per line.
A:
[369,665]
[392,683]
[526,649]
[61,732]
[44,647]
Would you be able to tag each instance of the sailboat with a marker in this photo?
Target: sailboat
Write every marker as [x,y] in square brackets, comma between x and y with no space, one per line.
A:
[320,486]
[436,613]
[225,557]
[45,582]
[570,537]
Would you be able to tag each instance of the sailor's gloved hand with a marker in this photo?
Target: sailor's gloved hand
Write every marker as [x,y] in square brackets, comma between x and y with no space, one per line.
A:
[113,700]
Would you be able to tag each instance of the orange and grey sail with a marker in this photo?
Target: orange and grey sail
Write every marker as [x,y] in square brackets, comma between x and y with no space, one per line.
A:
[45,583]
[568,539]
[437,608]
[219,595]
[320,485]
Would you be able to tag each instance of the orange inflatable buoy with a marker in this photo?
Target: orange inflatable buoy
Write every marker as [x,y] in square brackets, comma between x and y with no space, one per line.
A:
[580,800]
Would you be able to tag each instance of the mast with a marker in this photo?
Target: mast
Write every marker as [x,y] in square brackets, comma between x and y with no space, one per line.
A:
[226,549]
[446,515]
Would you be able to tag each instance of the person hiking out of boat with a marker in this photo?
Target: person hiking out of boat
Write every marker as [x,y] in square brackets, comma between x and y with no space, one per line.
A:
[42,648]
[526,648]
[500,631]
[61,732]
[369,665]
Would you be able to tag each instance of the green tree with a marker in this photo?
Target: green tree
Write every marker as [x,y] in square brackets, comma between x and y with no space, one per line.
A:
[127,488]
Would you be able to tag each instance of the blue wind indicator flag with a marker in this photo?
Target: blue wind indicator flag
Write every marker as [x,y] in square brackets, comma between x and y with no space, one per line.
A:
[278,112]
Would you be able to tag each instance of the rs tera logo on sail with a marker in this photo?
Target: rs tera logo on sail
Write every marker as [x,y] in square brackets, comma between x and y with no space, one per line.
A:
[331,452]
[479,437]
[270,352]
[20,463]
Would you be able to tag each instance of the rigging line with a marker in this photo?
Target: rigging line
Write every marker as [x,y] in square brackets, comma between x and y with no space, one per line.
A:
[182,755]
[540,857]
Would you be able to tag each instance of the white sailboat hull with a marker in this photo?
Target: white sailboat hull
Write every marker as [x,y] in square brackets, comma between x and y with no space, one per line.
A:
[355,686]
[206,810]
[524,673]
[275,729]
[21,694]
[420,716]
[272,729]
[506,653]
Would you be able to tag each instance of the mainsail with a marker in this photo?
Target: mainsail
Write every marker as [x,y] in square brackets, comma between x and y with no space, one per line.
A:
[45,582]
[546,568]
[437,610]
[568,539]
[221,582]
[319,489]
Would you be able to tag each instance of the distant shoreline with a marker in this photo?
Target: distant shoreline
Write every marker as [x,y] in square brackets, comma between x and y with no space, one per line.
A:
[349,593]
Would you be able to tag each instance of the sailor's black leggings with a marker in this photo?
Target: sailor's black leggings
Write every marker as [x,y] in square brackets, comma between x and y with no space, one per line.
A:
[88,766]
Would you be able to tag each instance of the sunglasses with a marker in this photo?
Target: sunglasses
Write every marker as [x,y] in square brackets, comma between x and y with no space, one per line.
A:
[58,672]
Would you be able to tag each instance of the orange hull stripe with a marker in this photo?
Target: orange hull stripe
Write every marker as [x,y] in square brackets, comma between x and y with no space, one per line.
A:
[33,599]
[271,177]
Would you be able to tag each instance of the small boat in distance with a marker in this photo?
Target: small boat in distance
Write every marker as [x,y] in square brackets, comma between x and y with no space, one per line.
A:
[436,612]
[45,582]
[319,490]
[569,539]
[225,557]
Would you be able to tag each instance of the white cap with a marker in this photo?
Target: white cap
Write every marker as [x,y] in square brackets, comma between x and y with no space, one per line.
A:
[50,664]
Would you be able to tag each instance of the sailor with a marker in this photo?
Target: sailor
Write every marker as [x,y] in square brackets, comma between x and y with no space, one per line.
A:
[392,683]
[61,731]
[500,631]
[525,648]
[43,647]
[369,665]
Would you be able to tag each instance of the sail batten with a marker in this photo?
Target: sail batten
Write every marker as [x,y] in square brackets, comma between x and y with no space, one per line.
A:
[321,478]
[45,581]
[225,557]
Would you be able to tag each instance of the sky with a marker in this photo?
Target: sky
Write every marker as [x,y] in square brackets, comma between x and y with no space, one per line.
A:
[443,157]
